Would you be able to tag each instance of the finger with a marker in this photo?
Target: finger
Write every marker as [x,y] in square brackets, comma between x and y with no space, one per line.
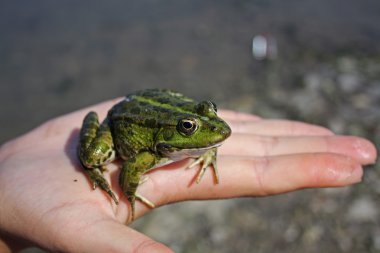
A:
[239,116]
[277,128]
[252,145]
[280,174]
[253,177]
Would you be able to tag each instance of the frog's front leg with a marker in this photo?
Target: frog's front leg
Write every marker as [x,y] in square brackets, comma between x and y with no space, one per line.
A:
[207,159]
[131,177]
[96,149]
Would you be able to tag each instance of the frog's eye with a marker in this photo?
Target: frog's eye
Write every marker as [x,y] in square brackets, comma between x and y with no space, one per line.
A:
[187,126]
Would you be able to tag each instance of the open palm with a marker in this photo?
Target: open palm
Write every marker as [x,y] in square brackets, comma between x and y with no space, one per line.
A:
[46,199]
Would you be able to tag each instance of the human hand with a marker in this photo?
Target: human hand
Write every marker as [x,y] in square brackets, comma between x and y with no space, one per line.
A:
[47,200]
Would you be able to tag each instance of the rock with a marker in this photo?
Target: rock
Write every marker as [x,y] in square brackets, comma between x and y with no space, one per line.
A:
[362,210]
[349,82]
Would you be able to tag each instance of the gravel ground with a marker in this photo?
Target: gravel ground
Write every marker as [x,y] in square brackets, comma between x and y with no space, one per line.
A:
[56,57]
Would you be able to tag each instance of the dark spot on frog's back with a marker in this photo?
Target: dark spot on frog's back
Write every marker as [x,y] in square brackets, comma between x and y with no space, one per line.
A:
[143,104]
[163,110]
[163,100]
[150,122]
[135,110]
[180,104]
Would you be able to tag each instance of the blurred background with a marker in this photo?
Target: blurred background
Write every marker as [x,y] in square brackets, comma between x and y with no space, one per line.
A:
[314,61]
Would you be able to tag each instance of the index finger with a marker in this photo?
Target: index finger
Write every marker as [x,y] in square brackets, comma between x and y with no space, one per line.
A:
[241,177]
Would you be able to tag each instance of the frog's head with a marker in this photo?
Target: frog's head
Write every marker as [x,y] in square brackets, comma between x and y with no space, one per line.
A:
[192,134]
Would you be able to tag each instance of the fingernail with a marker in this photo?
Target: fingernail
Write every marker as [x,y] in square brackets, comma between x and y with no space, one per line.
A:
[349,171]
[366,150]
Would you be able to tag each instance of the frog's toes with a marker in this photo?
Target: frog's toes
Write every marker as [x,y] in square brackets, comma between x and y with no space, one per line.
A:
[201,172]
[207,159]
[143,179]
[215,169]
[103,169]
[98,179]
[195,163]
[145,201]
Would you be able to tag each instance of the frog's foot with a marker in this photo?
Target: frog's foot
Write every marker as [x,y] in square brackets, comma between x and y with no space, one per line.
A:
[144,200]
[98,179]
[207,159]
[103,169]
[143,179]
[131,176]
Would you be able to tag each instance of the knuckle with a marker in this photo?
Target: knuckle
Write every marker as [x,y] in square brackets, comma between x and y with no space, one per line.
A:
[147,246]
[259,168]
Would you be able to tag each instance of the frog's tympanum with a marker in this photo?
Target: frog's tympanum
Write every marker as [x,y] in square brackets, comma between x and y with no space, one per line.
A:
[147,129]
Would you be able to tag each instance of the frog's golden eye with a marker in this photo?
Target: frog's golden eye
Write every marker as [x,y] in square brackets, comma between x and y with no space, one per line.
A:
[187,126]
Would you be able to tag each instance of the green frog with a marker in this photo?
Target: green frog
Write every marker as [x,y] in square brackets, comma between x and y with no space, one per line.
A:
[147,129]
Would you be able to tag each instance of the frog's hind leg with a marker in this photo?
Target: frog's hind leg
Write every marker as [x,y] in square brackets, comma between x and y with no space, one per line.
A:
[96,149]
[131,177]
[98,179]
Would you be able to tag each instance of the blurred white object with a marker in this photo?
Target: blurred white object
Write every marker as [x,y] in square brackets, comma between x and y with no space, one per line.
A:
[264,47]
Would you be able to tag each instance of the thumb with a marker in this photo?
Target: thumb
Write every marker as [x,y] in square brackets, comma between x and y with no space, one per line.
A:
[110,236]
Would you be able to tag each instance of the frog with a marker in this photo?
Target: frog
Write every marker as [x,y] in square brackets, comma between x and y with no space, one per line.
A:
[148,129]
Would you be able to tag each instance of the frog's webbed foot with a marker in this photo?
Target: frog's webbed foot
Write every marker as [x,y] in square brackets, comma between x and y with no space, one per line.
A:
[207,159]
[136,196]
[98,179]
[139,197]
[145,200]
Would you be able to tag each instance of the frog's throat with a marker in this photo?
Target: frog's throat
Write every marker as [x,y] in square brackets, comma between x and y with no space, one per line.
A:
[177,154]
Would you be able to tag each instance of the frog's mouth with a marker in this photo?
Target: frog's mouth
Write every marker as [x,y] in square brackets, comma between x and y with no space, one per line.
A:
[176,154]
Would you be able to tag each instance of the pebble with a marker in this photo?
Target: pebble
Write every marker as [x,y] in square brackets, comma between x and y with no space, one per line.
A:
[349,82]
[362,210]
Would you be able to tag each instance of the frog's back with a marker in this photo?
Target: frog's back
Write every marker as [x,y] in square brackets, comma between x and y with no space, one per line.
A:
[164,98]
[158,106]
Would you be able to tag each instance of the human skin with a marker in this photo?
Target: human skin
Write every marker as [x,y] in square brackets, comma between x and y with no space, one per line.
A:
[46,200]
